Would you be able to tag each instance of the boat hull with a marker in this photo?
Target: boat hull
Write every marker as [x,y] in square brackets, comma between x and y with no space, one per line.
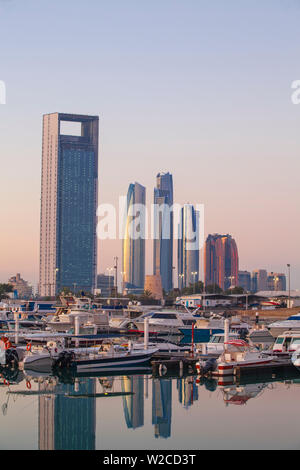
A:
[225,368]
[107,363]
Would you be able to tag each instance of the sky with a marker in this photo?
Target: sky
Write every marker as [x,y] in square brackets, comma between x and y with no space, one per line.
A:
[201,89]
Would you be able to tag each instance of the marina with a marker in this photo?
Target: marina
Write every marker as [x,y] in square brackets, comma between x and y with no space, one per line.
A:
[139,370]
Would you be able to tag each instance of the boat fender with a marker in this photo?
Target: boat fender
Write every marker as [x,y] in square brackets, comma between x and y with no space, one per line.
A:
[28,384]
[28,347]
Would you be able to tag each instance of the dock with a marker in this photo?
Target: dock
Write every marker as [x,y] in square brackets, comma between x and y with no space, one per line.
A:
[174,365]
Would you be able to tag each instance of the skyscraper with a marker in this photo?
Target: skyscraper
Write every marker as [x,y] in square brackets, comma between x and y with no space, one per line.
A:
[276,282]
[163,229]
[221,261]
[259,280]
[244,280]
[188,246]
[133,256]
[69,194]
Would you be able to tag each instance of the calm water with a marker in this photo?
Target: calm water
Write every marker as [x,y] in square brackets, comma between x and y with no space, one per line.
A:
[141,412]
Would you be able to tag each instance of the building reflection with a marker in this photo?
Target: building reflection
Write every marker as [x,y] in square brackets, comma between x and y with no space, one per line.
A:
[162,407]
[187,391]
[133,404]
[67,422]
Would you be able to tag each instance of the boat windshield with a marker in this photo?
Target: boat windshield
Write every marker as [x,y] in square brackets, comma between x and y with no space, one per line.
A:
[279,340]
[216,339]
[295,341]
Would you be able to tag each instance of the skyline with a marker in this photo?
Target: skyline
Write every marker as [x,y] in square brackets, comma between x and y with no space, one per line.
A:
[222,123]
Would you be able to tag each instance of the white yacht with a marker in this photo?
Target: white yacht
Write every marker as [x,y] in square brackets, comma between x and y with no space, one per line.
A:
[216,343]
[64,320]
[165,321]
[238,353]
[278,327]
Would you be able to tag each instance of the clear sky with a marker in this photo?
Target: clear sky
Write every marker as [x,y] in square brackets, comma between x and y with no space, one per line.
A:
[198,88]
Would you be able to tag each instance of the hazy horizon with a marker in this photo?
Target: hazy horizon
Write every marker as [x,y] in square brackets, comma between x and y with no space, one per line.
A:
[198,89]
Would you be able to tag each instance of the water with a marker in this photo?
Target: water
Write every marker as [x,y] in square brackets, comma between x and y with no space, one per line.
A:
[153,413]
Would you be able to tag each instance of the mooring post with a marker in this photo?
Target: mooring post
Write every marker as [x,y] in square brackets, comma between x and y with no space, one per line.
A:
[146,333]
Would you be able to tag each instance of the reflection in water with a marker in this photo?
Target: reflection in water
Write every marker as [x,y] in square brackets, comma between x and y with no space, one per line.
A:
[187,391]
[67,422]
[162,407]
[133,404]
[67,411]
[240,394]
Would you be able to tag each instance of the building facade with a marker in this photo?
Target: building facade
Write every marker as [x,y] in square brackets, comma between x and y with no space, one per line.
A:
[163,230]
[259,280]
[69,197]
[245,280]
[21,287]
[276,282]
[188,247]
[105,284]
[221,261]
[133,253]
[153,284]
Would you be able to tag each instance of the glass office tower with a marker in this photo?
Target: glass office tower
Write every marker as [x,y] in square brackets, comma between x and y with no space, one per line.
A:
[163,229]
[133,256]
[188,246]
[69,197]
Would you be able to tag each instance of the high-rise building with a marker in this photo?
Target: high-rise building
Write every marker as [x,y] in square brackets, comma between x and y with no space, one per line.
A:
[221,261]
[276,282]
[68,242]
[245,280]
[133,256]
[188,246]
[259,280]
[163,230]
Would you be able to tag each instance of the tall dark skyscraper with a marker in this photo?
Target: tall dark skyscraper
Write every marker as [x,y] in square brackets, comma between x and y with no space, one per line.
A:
[69,195]
[188,248]
[221,261]
[163,228]
[133,256]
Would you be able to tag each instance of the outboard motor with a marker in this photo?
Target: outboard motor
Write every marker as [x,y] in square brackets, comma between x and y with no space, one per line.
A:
[209,366]
[65,360]
[12,358]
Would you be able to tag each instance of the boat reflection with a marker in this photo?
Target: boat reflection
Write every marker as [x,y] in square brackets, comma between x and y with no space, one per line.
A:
[67,403]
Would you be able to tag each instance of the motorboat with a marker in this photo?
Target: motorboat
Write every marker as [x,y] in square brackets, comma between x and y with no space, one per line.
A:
[296,358]
[216,343]
[287,343]
[112,357]
[238,353]
[42,358]
[64,320]
[165,321]
[278,327]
